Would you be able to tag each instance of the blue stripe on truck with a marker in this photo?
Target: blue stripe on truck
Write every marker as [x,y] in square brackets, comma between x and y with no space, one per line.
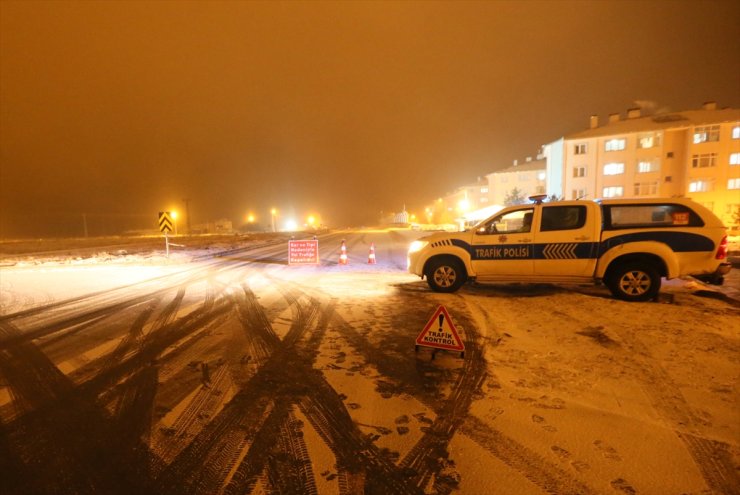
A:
[678,241]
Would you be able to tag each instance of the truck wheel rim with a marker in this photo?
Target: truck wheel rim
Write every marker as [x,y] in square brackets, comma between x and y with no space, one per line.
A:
[445,276]
[635,283]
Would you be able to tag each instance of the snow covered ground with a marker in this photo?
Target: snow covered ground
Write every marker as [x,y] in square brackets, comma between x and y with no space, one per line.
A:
[579,390]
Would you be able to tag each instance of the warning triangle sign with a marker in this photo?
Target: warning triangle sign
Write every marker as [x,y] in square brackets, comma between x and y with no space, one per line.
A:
[440,332]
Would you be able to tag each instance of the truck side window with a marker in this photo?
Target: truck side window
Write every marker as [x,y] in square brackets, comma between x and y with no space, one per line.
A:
[563,218]
[516,221]
[651,216]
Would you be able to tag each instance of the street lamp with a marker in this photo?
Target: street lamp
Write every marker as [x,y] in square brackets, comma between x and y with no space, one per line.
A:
[274,214]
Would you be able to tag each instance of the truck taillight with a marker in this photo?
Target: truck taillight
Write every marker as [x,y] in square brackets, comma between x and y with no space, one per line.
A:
[722,249]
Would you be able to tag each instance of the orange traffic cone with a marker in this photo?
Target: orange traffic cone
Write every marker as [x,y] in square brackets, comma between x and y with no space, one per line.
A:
[371,256]
[343,255]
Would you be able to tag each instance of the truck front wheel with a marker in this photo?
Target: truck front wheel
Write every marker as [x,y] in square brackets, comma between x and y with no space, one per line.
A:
[445,274]
[634,282]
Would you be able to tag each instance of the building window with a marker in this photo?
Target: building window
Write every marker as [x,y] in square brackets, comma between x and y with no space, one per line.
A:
[483,199]
[579,171]
[733,183]
[736,132]
[701,186]
[504,178]
[540,190]
[613,168]
[580,149]
[578,193]
[613,192]
[615,144]
[734,158]
[649,140]
[669,154]
[646,188]
[647,166]
[523,177]
[483,190]
[704,160]
[706,134]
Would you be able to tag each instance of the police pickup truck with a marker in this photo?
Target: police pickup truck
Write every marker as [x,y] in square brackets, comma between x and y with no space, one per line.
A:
[627,244]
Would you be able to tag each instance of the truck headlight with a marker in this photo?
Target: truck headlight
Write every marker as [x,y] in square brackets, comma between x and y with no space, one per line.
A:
[417,246]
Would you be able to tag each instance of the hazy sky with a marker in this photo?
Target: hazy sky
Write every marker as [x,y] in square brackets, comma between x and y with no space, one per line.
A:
[122,109]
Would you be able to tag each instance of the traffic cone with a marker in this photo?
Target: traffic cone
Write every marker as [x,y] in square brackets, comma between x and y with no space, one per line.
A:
[343,255]
[371,256]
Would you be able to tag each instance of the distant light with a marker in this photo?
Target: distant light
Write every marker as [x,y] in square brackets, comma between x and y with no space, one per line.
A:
[250,218]
[173,214]
[464,205]
[291,225]
[311,220]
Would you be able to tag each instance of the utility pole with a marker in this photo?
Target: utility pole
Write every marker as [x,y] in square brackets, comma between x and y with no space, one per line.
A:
[187,212]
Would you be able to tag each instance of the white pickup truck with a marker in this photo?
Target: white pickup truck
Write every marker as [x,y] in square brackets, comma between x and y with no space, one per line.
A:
[628,244]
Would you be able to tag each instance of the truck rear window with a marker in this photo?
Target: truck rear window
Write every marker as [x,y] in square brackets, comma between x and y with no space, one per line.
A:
[649,216]
[563,218]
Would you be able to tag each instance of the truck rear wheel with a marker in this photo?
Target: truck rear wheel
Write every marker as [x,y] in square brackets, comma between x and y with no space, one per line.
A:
[634,282]
[445,274]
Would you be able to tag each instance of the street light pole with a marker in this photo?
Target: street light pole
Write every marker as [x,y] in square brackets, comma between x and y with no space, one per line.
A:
[274,213]
[187,213]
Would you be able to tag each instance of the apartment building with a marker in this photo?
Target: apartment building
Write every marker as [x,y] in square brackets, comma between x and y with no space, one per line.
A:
[528,178]
[694,153]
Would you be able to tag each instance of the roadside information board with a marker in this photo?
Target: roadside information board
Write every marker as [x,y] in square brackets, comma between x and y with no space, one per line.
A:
[440,333]
[303,252]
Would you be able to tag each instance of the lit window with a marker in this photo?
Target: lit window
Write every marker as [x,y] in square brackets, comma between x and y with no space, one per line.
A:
[736,132]
[579,171]
[733,183]
[615,144]
[613,168]
[734,158]
[578,193]
[646,188]
[613,191]
[649,140]
[580,149]
[647,166]
[706,134]
[483,190]
[700,186]
[704,160]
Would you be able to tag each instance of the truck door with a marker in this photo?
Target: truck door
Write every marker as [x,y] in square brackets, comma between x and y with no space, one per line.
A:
[502,246]
[566,240]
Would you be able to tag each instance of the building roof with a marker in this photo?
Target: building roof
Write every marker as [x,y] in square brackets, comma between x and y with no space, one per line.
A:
[660,122]
[523,167]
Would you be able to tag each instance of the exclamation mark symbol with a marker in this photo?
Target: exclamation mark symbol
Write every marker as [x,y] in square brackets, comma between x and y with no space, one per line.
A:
[441,319]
